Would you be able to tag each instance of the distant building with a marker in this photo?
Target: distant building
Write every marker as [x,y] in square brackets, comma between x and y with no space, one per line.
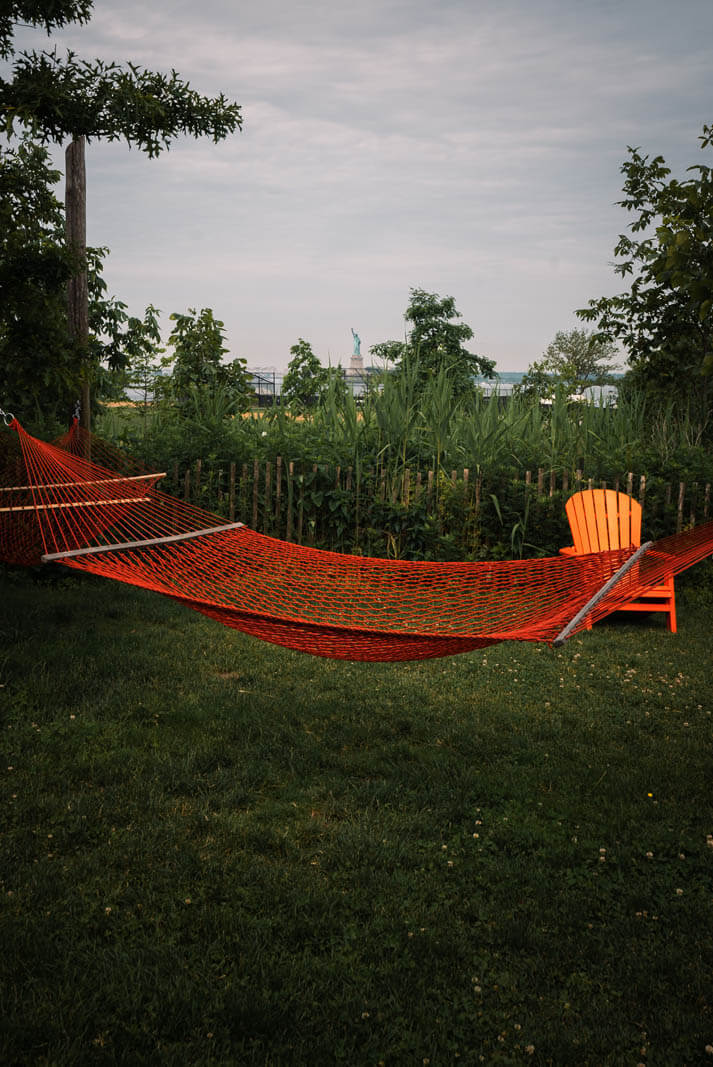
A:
[603,396]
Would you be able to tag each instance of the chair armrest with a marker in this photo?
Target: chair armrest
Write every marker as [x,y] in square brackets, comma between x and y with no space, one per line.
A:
[570,550]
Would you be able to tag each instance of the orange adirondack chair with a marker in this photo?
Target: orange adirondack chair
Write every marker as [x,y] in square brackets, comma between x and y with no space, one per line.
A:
[602,519]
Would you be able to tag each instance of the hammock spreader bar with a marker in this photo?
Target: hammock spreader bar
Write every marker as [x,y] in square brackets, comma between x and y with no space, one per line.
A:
[139,544]
[600,594]
[73,485]
[78,504]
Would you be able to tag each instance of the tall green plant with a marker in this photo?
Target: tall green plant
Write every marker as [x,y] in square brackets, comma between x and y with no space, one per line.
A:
[440,411]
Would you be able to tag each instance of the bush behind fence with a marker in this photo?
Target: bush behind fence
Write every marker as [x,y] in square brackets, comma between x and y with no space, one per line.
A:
[422,515]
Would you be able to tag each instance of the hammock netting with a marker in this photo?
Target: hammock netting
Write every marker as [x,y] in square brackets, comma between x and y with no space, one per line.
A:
[83,503]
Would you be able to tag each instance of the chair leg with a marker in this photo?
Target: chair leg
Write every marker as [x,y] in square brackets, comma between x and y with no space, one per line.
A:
[672,607]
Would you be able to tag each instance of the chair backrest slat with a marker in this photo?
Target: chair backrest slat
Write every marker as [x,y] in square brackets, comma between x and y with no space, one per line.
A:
[602,519]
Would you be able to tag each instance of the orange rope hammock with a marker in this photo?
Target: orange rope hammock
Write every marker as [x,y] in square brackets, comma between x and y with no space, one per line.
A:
[106,516]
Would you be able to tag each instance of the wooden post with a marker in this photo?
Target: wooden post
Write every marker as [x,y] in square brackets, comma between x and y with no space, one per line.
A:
[75,207]
[540,481]
[256,489]
[707,500]
[244,492]
[187,485]
[231,491]
[197,488]
[290,491]
[268,498]
[301,507]
[313,535]
[278,493]
[553,478]
[679,514]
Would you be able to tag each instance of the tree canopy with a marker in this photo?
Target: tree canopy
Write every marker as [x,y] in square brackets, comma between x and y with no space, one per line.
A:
[665,319]
[48,13]
[197,366]
[59,97]
[52,98]
[571,362]
[436,343]
[305,379]
[40,365]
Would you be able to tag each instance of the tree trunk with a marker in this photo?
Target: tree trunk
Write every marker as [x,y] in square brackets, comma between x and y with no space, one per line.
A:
[75,203]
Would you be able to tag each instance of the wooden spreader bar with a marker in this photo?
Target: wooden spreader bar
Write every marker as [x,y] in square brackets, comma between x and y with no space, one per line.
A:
[70,485]
[78,504]
[600,594]
[140,544]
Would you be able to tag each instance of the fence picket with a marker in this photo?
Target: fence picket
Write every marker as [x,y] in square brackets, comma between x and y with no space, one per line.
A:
[256,490]
[301,505]
[267,511]
[278,494]
[290,494]
[244,494]
[231,494]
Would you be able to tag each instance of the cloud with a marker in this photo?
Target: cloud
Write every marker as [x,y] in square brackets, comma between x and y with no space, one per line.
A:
[471,149]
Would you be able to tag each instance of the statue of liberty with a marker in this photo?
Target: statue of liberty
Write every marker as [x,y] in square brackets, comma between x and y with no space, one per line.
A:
[357,343]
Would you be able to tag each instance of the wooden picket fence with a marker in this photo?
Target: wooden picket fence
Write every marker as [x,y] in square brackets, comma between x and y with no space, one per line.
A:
[333,507]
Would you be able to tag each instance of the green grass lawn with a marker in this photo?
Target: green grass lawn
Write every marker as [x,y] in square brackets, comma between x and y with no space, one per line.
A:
[217,851]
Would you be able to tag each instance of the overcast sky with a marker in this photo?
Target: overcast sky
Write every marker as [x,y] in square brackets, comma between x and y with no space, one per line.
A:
[467,147]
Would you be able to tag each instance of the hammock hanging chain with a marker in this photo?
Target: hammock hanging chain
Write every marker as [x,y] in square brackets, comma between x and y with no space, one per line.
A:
[7,417]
